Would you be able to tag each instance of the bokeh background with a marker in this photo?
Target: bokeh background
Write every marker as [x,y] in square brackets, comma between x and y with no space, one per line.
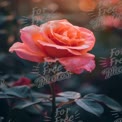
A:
[103,17]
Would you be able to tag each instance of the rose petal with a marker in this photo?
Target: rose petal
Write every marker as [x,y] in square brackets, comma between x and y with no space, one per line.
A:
[85,35]
[89,38]
[85,39]
[56,51]
[78,64]
[65,40]
[62,51]
[30,36]
[24,52]
[62,33]
[48,59]
[26,37]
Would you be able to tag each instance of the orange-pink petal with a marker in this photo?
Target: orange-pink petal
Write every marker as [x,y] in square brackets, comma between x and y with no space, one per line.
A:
[78,64]
[25,53]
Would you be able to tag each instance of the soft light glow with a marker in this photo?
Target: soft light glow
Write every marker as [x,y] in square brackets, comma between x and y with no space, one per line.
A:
[87,5]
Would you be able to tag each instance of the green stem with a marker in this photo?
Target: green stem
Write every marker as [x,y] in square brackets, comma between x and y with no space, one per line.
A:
[53,101]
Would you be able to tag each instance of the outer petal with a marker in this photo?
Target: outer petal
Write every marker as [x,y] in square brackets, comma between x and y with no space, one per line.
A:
[27,35]
[78,64]
[89,38]
[24,52]
[62,51]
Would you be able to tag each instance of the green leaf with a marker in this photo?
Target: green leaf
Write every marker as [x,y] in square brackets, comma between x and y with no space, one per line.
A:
[23,92]
[90,106]
[70,94]
[18,91]
[106,100]
[38,95]
[24,97]
[47,104]
[34,109]
[4,96]
[61,99]
[26,103]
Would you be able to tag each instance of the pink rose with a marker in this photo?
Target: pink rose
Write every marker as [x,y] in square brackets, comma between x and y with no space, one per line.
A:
[57,40]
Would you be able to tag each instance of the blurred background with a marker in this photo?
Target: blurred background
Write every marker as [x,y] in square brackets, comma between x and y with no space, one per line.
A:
[103,17]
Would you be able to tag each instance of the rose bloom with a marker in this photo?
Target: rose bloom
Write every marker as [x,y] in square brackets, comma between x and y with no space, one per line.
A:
[57,40]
